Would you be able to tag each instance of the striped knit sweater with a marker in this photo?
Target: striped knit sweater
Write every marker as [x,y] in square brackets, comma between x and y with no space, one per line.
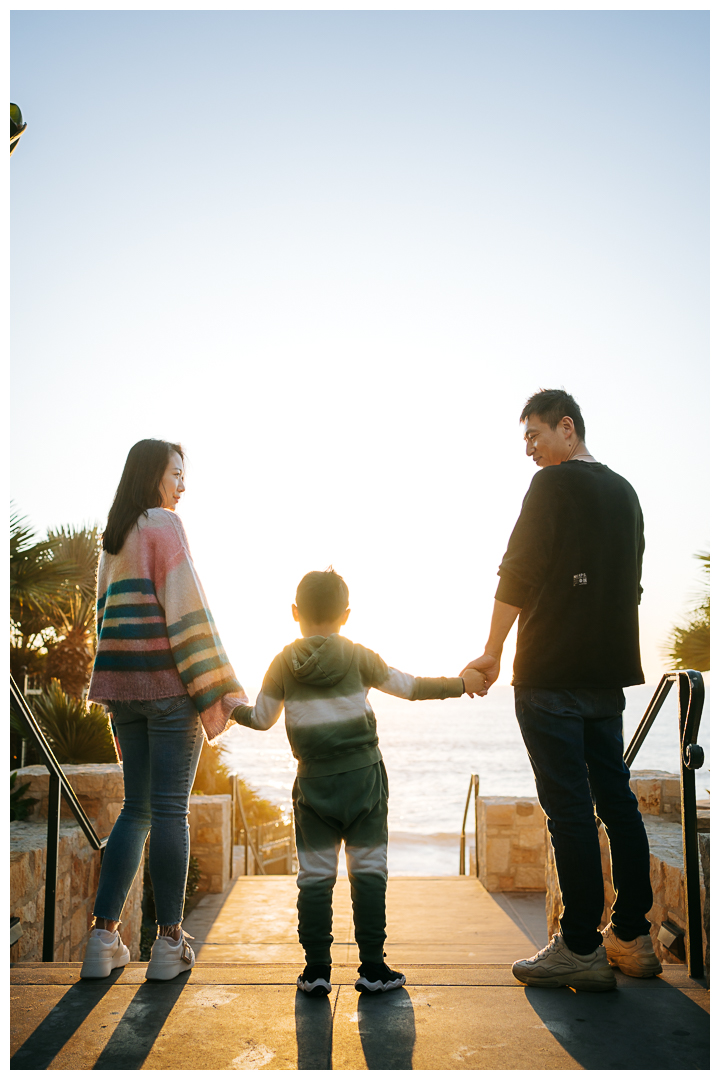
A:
[322,683]
[156,636]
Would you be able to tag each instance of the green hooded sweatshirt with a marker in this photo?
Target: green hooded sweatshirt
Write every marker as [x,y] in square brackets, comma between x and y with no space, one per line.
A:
[323,683]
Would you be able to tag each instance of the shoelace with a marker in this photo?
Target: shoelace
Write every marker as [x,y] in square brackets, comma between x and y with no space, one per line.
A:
[551,947]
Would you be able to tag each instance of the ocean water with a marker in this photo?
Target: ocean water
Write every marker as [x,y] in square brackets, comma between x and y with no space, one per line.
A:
[431,748]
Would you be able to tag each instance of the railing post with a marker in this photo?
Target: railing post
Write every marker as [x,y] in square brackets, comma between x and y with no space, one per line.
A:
[688,734]
[477,835]
[474,781]
[51,866]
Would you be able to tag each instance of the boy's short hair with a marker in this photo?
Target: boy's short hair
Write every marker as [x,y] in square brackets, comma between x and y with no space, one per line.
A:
[321,596]
[550,406]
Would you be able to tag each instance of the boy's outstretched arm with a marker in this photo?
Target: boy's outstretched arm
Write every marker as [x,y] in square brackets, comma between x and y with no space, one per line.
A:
[417,688]
[267,708]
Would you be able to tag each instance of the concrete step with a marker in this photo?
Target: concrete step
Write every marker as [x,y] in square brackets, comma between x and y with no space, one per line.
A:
[461,1008]
[243,1016]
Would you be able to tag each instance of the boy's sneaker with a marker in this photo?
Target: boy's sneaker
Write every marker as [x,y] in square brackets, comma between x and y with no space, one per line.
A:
[636,957]
[315,980]
[169,958]
[105,951]
[556,965]
[378,978]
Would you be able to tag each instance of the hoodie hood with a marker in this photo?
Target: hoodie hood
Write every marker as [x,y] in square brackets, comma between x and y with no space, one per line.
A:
[319,661]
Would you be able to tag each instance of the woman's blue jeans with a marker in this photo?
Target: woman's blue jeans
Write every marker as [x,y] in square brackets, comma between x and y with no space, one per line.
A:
[160,743]
[574,739]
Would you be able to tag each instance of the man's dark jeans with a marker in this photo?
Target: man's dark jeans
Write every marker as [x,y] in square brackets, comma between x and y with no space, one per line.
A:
[575,744]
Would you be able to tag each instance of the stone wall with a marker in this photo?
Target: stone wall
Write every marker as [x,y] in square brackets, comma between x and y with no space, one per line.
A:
[211,839]
[78,875]
[657,792]
[99,789]
[100,792]
[666,865]
[511,843]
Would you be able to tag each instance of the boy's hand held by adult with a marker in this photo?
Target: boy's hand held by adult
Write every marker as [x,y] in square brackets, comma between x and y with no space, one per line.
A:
[488,666]
[475,682]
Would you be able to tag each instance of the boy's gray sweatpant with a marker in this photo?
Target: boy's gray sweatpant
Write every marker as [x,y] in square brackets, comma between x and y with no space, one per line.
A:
[350,806]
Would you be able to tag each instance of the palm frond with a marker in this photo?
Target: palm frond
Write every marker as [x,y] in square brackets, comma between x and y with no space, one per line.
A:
[688,645]
[37,579]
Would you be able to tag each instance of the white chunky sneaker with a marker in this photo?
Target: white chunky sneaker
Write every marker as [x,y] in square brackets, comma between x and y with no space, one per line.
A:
[169,958]
[105,951]
[636,957]
[556,965]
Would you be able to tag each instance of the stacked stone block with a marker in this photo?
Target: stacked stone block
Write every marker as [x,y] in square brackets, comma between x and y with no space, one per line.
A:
[78,874]
[511,843]
[99,788]
[211,839]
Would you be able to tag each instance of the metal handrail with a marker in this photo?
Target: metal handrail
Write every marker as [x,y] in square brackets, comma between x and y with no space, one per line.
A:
[58,786]
[248,839]
[474,783]
[691,698]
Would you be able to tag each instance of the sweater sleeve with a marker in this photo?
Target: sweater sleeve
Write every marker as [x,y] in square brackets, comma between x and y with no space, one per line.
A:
[194,641]
[415,688]
[531,542]
[267,708]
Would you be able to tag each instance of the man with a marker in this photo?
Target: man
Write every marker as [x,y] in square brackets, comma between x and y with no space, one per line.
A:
[572,574]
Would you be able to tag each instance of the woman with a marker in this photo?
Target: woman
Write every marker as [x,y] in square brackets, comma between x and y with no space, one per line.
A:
[161,670]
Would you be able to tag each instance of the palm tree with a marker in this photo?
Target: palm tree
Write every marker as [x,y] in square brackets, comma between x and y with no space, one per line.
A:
[688,646]
[37,578]
[17,126]
[70,658]
[52,602]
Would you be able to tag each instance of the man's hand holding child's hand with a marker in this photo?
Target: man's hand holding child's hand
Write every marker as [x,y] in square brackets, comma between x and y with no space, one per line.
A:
[475,682]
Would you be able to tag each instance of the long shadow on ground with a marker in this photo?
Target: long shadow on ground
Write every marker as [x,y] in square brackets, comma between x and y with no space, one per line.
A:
[313,1030]
[61,1023]
[141,1023]
[652,1026]
[386,1025]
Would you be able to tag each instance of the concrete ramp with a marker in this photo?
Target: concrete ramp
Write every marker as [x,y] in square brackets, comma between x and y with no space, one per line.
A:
[431,920]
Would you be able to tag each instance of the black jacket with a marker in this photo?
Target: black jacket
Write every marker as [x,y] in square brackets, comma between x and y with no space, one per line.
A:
[573,565]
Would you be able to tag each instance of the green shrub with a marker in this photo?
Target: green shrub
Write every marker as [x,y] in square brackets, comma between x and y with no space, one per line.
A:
[79,734]
[19,807]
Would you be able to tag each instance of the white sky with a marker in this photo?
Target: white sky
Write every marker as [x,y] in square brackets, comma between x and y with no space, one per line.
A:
[333,253]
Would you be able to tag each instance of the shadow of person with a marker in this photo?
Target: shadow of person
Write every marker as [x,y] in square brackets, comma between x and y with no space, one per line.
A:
[386,1024]
[141,1023]
[651,1026]
[61,1023]
[313,1030]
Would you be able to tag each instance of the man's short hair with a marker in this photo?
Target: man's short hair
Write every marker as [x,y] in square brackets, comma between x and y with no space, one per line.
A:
[322,596]
[550,406]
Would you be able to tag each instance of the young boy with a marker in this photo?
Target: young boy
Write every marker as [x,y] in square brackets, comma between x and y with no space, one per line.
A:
[341,790]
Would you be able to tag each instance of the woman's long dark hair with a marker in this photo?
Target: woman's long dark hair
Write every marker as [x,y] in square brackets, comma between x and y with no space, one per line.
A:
[138,490]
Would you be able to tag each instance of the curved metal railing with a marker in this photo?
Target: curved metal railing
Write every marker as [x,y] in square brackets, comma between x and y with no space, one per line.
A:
[474,784]
[58,786]
[691,698]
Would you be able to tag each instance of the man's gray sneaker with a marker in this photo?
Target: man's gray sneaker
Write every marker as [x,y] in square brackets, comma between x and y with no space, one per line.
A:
[556,965]
[636,957]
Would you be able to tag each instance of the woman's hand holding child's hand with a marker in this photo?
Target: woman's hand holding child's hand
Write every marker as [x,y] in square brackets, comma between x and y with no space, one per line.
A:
[475,682]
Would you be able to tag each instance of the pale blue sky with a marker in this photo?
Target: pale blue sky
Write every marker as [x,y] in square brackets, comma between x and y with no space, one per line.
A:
[333,253]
